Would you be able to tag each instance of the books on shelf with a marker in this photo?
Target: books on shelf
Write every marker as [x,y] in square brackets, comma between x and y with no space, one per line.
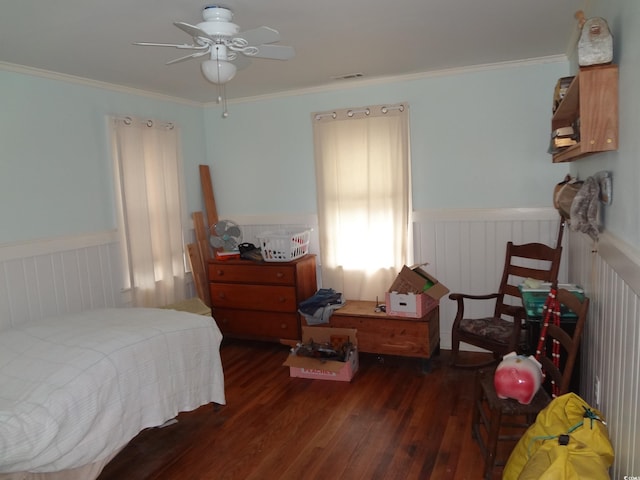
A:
[564,136]
[560,141]
[564,142]
[561,90]
[563,132]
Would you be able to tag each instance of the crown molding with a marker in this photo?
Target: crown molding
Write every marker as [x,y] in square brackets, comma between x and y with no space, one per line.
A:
[335,86]
[363,82]
[63,77]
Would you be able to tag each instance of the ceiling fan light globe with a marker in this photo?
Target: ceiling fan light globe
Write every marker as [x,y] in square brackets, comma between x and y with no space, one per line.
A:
[218,71]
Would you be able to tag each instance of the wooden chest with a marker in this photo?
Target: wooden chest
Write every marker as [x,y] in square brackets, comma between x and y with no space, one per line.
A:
[388,335]
[260,300]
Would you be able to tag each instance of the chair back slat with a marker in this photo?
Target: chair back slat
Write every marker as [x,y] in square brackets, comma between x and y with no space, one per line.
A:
[569,343]
[530,260]
[493,333]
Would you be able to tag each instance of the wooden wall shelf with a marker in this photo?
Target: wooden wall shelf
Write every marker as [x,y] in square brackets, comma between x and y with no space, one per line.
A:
[591,99]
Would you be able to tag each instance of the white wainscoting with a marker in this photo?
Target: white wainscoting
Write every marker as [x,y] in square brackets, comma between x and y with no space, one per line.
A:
[61,275]
[610,274]
[465,250]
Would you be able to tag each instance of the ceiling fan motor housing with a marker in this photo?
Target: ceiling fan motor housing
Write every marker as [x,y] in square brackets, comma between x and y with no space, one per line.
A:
[217,22]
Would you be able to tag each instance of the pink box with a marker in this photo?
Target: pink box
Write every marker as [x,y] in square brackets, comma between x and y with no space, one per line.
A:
[345,374]
[306,367]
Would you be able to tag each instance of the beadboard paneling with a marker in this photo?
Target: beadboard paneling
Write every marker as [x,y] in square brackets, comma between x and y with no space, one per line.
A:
[465,251]
[611,341]
[57,276]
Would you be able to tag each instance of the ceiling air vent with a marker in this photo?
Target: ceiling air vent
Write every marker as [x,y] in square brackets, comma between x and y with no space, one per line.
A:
[348,76]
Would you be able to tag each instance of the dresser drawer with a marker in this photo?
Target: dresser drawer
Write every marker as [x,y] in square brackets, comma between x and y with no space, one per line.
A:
[269,274]
[254,297]
[260,299]
[253,324]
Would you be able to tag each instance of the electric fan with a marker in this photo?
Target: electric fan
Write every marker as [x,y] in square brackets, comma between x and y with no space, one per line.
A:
[226,235]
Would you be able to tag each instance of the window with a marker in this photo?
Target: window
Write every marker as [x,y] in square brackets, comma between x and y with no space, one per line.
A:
[364,197]
[148,177]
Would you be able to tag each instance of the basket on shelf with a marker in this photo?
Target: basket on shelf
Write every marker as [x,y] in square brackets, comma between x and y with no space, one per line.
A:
[283,246]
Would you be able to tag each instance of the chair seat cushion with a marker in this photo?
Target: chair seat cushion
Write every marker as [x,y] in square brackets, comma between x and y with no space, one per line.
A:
[494,328]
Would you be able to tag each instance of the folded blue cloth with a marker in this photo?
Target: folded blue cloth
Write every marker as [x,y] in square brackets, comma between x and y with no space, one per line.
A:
[318,308]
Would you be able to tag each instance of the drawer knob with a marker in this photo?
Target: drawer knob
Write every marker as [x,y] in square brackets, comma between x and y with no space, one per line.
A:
[221,295]
[282,299]
[283,326]
[279,274]
[220,272]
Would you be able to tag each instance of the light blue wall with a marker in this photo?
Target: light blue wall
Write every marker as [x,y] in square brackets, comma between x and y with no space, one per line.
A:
[622,218]
[478,140]
[55,166]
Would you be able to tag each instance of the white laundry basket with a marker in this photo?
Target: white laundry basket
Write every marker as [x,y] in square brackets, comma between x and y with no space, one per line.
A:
[284,246]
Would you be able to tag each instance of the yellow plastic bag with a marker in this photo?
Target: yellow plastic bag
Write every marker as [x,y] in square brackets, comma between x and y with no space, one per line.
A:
[542,453]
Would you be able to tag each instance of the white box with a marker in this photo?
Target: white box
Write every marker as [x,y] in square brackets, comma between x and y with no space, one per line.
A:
[409,304]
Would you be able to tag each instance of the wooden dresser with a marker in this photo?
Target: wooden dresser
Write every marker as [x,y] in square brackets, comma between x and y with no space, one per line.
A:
[260,300]
[390,335]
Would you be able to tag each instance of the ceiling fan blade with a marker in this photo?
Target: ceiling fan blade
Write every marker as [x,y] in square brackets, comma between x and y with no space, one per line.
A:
[276,52]
[183,45]
[192,30]
[241,62]
[186,57]
[260,35]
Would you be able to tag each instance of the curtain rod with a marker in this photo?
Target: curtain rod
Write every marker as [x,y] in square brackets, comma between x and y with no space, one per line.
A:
[130,120]
[366,111]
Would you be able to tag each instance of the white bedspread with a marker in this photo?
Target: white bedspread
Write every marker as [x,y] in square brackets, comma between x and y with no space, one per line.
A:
[74,389]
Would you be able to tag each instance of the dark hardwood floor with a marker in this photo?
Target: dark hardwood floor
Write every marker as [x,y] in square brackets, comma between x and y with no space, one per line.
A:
[391,422]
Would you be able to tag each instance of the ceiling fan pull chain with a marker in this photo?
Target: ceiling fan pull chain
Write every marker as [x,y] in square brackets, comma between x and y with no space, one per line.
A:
[225,112]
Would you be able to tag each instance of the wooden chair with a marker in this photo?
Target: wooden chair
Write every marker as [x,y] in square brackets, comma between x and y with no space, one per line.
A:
[490,412]
[500,333]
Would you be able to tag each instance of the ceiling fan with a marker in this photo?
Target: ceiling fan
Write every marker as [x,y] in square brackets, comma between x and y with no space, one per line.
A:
[226,46]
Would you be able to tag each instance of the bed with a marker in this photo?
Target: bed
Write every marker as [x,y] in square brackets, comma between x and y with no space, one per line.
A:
[75,389]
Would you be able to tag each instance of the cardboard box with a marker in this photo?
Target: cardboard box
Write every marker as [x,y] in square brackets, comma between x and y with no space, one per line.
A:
[307,367]
[414,293]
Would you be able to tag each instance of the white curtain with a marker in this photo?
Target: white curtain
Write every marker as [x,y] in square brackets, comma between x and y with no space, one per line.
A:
[364,197]
[148,173]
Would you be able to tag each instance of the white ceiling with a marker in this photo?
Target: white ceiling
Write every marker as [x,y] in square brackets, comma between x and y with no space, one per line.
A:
[93,39]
